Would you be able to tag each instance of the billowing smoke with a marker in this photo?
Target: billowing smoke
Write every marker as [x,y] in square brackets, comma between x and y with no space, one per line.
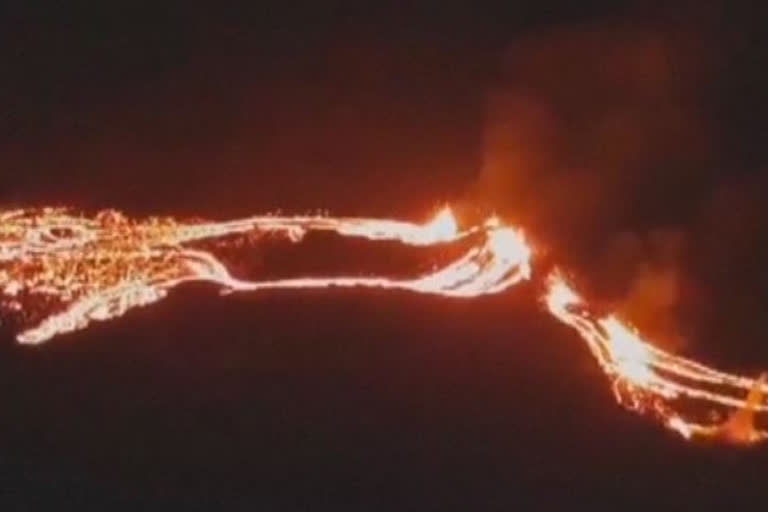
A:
[595,139]
[649,273]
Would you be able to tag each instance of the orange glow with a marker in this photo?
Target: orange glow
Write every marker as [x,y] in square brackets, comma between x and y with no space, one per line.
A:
[73,270]
[60,272]
[646,378]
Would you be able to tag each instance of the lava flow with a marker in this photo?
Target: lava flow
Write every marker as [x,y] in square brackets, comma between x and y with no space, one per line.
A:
[71,270]
[64,271]
[646,378]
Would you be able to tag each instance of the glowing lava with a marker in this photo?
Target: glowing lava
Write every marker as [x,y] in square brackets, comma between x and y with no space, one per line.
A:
[60,272]
[71,270]
[645,378]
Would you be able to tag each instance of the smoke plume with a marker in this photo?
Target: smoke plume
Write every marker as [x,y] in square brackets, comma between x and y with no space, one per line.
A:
[593,138]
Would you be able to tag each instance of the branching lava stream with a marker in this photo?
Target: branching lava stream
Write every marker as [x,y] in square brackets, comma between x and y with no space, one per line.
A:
[60,271]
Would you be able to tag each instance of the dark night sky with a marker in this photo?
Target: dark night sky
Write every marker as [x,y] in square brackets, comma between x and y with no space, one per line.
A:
[620,122]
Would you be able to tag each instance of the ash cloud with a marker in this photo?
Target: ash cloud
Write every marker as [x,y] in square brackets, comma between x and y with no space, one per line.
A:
[596,140]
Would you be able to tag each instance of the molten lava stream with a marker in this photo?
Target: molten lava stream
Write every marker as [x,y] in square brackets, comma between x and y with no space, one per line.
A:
[71,270]
[646,378]
[59,272]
